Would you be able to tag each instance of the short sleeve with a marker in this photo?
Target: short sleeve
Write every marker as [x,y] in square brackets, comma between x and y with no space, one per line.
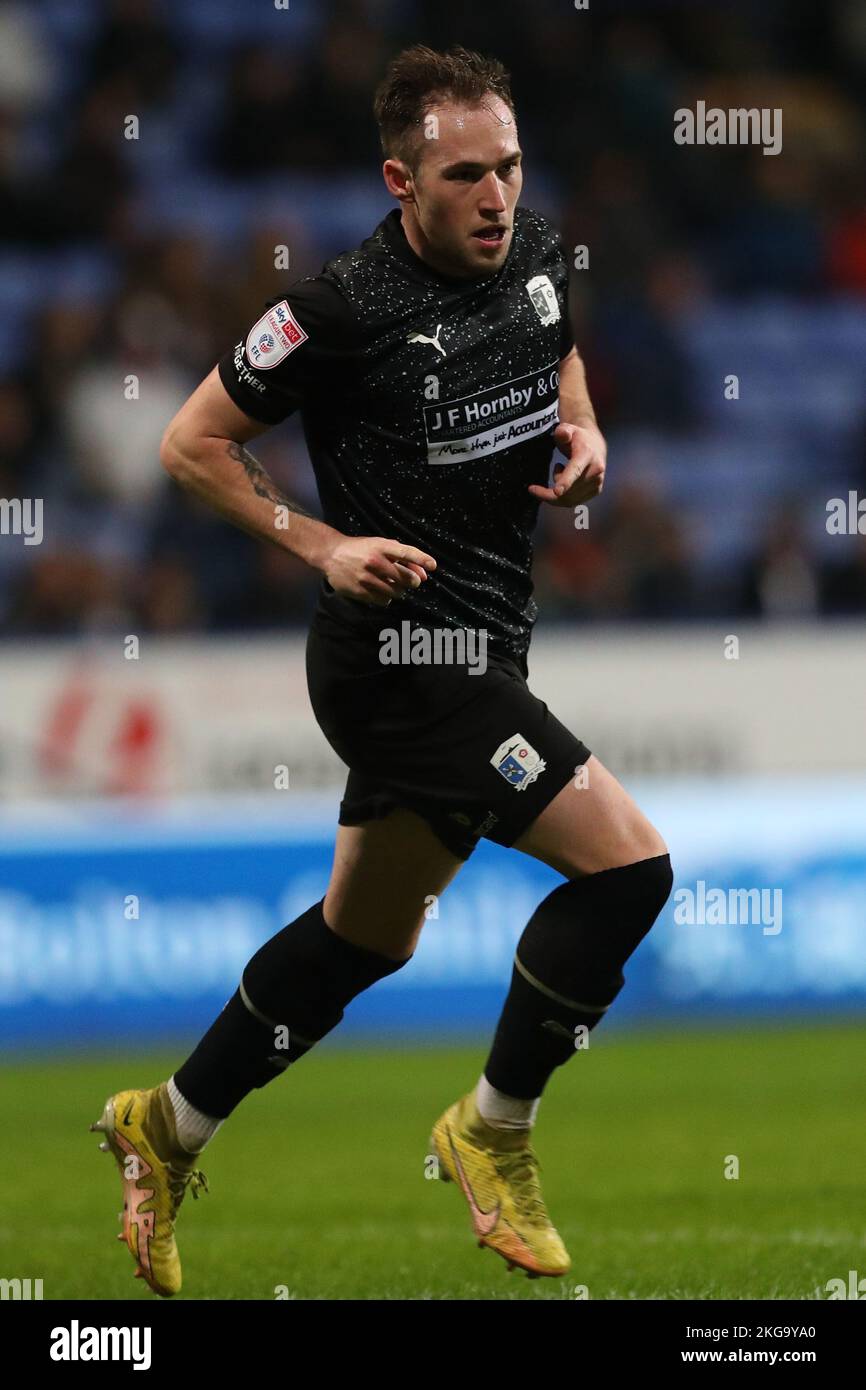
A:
[298,346]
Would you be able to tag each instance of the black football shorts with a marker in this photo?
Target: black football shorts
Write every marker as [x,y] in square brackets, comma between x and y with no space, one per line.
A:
[476,755]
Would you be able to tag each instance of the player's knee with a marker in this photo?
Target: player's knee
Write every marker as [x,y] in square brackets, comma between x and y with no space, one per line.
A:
[586,929]
[637,890]
[643,880]
[314,973]
[642,842]
[629,842]
[657,879]
[635,838]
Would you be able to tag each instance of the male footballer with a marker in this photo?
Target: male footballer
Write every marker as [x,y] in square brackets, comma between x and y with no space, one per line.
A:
[435,371]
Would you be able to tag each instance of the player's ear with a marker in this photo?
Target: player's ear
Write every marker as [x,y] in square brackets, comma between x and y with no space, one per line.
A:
[398,180]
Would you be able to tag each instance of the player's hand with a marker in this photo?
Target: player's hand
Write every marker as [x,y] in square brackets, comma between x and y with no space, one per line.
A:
[376,570]
[582,475]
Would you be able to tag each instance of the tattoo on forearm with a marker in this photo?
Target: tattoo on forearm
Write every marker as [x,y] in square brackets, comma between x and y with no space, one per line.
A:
[263,485]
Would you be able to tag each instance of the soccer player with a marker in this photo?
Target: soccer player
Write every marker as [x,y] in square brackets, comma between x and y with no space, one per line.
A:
[435,372]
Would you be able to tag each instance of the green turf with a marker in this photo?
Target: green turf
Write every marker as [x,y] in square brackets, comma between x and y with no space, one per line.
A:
[317,1182]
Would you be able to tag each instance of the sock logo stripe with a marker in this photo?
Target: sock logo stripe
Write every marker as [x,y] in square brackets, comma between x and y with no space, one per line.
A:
[269,1022]
[558,998]
[256,1013]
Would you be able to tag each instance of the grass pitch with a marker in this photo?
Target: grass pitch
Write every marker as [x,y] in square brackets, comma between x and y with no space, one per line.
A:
[318,1181]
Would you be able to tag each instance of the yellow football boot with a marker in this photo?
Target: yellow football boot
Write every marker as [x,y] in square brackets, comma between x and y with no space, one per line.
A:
[498,1172]
[140,1131]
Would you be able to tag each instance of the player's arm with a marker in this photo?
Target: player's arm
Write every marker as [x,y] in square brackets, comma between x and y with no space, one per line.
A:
[578,437]
[204,450]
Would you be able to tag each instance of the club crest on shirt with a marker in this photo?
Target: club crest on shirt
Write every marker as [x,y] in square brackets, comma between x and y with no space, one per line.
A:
[276,334]
[518,762]
[543,297]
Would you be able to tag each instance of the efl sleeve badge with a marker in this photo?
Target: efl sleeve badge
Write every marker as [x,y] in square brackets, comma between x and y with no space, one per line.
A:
[276,334]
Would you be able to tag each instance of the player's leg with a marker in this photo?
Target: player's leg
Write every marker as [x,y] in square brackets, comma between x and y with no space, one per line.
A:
[567,971]
[569,960]
[591,825]
[384,874]
[292,993]
[295,988]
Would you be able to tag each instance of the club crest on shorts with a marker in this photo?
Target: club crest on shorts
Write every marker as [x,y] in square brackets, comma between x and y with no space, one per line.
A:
[543,297]
[518,762]
[276,334]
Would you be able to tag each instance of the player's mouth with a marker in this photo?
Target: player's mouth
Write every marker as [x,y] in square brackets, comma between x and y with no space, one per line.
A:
[490,236]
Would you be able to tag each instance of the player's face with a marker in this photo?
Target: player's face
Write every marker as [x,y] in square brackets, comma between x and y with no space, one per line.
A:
[467,183]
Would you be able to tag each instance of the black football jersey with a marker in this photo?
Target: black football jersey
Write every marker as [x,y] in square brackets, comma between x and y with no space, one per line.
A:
[427,405]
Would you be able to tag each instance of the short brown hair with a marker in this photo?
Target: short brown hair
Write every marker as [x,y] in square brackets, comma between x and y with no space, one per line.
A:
[419,77]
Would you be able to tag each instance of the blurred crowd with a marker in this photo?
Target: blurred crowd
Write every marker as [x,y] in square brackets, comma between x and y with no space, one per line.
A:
[683,242]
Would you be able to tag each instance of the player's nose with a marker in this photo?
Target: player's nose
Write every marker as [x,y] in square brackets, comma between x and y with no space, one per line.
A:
[492,198]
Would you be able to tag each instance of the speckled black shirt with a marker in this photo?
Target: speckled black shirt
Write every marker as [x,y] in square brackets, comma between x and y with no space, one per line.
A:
[427,404]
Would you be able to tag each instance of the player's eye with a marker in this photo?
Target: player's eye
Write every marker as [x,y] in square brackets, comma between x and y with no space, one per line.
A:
[473,175]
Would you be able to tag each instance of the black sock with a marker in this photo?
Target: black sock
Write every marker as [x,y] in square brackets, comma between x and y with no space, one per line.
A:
[568,969]
[292,993]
